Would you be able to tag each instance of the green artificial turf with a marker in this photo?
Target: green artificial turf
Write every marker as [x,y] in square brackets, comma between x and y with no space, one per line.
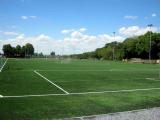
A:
[75,76]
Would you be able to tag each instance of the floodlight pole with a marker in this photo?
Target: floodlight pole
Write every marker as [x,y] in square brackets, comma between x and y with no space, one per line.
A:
[113,47]
[37,51]
[25,51]
[150,42]
[159,69]
[1,60]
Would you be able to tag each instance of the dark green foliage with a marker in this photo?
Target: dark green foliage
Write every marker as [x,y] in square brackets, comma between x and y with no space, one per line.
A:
[52,54]
[8,50]
[29,49]
[134,47]
[18,51]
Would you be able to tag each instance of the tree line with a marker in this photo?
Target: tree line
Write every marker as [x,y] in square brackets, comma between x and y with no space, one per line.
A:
[19,51]
[133,47]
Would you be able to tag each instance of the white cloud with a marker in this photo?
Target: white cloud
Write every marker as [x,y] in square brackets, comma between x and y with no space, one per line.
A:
[154,14]
[67,31]
[130,17]
[82,29]
[28,17]
[9,33]
[76,42]
[24,17]
[135,30]
[77,34]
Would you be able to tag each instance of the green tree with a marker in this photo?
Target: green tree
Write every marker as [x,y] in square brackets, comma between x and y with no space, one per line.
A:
[29,49]
[8,50]
[134,47]
[18,50]
[52,54]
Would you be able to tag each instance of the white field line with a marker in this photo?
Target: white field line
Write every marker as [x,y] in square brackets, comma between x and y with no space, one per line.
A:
[150,78]
[112,70]
[40,95]
[153,79]
[101,70]
[116,91]
[3,65]
[51,82]
[83,93]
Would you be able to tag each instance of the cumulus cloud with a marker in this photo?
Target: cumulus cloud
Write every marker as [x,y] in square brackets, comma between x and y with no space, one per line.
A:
[67,31]
[28,17]
[82,29]
[9,33]
[76,42]
[135,30]
[24,17]
[130,17]
[154,14]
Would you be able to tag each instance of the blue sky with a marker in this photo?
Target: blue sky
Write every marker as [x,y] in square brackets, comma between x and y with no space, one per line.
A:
[50,17]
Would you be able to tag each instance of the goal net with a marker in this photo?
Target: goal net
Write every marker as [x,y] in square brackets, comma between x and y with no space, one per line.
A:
[2,60]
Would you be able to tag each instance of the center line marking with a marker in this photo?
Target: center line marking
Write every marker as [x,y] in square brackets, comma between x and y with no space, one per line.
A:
[51,82]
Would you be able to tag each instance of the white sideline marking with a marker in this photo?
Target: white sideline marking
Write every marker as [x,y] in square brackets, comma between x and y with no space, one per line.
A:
[117,91]
[51,82]
[75,70]
[150,78]
[153,79]
[1,96]
[83,93]
[3,65]
[41,95]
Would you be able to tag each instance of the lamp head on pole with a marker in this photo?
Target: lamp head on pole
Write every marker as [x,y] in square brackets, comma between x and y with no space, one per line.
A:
[150,25]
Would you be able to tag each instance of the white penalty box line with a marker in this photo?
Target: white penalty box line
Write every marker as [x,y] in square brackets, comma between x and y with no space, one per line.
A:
[51,82]
[82,93]
[3,65]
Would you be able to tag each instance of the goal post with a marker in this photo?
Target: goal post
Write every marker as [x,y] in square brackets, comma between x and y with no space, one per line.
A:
[2,60]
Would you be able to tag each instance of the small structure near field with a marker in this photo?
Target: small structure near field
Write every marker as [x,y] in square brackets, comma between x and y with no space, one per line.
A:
[158,61]
[136,60]
[139,60]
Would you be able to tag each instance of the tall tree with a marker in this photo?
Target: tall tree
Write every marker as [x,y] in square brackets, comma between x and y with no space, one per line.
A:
[18,50]
[8,50]
[29,49]
[52,54]
[23,51]
[134,47]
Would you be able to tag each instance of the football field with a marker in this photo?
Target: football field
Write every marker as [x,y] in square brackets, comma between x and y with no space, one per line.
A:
[52,89]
